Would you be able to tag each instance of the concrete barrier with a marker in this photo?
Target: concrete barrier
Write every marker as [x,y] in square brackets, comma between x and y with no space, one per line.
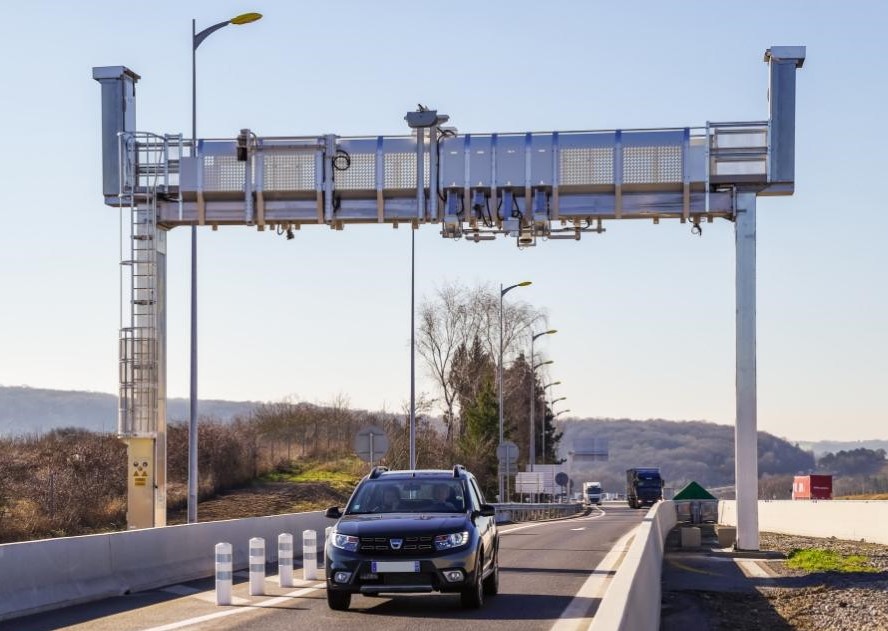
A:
[844,519]
[632,600]
[49,574]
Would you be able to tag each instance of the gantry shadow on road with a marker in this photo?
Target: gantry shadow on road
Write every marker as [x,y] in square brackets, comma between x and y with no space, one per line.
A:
[705,589]
[96,610]
[499,607]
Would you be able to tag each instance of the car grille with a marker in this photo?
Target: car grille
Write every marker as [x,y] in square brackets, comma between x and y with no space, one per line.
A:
[410,545]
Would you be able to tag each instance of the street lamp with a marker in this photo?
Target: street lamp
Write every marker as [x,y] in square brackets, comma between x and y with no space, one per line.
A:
[543,431]
[503,292]
[533,393]
[560,413]
[196,40]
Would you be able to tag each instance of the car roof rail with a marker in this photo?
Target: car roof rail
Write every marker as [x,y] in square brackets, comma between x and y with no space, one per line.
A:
[457,469]
[377,471]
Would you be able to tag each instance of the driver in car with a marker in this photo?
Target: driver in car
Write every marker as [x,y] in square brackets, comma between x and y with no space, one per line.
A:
[441,496]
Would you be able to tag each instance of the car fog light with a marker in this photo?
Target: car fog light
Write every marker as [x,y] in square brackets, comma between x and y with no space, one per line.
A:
[341,577]
[454,576]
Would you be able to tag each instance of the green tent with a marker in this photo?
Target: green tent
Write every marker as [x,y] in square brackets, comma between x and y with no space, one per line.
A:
[693,491]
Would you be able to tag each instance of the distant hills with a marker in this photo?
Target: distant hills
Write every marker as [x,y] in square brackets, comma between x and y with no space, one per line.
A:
[25,410]
[822,447]
[683,450]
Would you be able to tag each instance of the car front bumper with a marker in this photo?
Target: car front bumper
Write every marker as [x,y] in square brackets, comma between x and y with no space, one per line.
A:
[354,573]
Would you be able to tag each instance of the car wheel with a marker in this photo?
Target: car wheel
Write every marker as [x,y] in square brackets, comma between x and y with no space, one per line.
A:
[491,583]
[472,597]
[338,600]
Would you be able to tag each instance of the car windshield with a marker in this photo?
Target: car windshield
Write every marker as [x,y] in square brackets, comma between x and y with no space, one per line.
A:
[408,496]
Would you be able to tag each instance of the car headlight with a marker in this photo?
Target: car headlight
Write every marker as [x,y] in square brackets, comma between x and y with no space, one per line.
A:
[453,540]
[344,542]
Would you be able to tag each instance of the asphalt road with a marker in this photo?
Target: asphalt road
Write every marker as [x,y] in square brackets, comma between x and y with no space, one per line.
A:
[548,578]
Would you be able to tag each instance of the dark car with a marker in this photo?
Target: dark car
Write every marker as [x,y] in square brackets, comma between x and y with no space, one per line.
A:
[412,532]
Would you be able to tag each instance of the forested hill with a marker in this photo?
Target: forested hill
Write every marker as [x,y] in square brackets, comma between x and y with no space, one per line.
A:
[684,451]
[25,410]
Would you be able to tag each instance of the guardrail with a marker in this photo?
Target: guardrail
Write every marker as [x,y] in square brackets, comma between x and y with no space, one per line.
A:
[534,512]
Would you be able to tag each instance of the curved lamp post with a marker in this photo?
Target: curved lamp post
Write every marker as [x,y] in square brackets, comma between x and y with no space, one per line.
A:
[543,428]
[533,368]
[503,292]
[196,40]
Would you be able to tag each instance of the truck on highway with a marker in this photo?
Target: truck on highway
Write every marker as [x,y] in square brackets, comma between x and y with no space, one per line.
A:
[644,486]
[812,487]
[592,493]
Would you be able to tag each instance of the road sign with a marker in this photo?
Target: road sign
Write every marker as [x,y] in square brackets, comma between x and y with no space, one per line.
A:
[530,482]
[371,444]
[507,452]
[561,478]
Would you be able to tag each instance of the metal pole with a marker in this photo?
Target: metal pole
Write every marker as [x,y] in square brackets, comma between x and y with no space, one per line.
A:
[543,431]
[531,437]
[413,346]
[500,380]
[745,431]
[192,419]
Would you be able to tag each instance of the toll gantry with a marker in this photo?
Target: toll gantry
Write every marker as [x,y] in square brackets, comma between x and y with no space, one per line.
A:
[533,187]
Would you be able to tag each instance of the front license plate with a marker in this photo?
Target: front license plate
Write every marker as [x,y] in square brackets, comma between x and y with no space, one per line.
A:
[394,566]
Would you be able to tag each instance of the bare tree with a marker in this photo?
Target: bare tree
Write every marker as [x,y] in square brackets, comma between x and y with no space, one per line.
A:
[455,318]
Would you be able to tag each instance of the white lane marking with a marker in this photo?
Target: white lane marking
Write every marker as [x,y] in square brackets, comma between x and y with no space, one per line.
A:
[583,528]
[271,602]
[507,530]
[576,614]
[752,569]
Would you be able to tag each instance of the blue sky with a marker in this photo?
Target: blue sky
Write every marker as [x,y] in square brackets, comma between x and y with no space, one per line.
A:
[645,312]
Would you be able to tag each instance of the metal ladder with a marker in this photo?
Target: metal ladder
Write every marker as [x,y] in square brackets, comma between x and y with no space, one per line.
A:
[147,174]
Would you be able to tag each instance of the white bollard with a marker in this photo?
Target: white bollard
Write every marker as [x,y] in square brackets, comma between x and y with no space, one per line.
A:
[285,559]
[257,566]
[327,532]
[224,570]
[309,555]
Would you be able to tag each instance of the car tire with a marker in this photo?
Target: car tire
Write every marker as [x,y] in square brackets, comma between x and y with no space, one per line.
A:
[339,601]
[491,583]
[472,597]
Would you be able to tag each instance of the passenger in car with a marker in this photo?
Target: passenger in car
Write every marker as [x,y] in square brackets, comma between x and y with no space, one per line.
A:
[443,502]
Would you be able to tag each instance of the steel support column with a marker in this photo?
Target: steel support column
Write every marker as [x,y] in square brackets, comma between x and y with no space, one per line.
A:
[745,431]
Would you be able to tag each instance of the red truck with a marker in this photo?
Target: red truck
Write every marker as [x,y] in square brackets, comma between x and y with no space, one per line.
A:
[812,487]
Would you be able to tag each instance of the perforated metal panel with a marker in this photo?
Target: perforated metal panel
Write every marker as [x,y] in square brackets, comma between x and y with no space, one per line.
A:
[652,165]
[361,173]
[580,167]
[223,173]
[400,170]
[289,172]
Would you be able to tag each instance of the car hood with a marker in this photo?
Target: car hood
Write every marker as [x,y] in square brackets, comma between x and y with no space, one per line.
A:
[413,523]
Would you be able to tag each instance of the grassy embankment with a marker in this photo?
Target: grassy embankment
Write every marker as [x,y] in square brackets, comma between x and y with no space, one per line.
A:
[820,560]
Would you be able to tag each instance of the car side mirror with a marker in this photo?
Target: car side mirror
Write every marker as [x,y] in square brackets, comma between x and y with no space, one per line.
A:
[333,512]
[487,511]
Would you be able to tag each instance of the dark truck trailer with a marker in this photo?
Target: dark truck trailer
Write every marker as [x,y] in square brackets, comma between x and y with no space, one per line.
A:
[812,487]
[644,486]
